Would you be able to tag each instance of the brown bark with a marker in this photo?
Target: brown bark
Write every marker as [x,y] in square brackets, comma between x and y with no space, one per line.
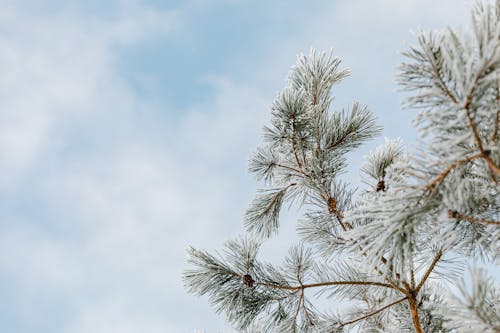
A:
[414,314]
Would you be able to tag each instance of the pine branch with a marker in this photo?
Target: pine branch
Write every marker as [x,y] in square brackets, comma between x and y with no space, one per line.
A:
[325,284]
[299,303]
[331,204]
[293,142]
[298,171]
[471,219]
[306,312]
[452,77]
[412,274]
[477,306]
[263,214]
[432,186]
[374,312]
[348,130]
[494,169]
[434,63]
[497,118]
[429,270]
[497,125]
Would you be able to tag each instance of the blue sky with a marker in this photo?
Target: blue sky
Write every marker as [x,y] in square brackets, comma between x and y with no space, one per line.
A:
[125,127]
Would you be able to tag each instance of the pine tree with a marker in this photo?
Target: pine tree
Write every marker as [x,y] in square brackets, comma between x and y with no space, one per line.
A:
[394,252]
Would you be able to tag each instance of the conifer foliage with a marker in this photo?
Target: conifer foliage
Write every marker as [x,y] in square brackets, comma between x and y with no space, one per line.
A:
[394,252]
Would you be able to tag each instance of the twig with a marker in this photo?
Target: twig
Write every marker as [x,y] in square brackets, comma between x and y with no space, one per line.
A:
[325,284]
[429,270]
[441,84]
[298,306]
[412,274]
[473,128]
[338,142]
[439,179]
[497,120]
[494,169]
[294,147]
[299,171]
[307,314]
[374,312]
[471,219]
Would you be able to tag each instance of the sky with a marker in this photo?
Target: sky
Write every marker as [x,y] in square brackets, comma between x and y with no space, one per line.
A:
[125,130]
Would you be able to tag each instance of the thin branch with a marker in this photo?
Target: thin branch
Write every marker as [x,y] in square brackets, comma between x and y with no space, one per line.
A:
[299,171]
[306,312]
[429,270]
[279,299]
[374,312]
[298,306]
[439,179]
[338,142]
[497,120]
[315,105]
[473,128]
[294,147]
[325,284]
[471,219]
[497,124]
[412,274]
[494,169]
[276,197]
[441,82]
[332,210]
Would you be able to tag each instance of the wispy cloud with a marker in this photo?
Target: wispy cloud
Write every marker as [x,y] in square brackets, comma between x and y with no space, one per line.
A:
[102,187]
[111,188]
[57,68]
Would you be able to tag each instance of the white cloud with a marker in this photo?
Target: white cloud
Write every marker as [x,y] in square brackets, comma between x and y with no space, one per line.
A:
[37,261]
[232,120]
[112,204]
[56,67]
[120,207]
[116,315]
[123,203]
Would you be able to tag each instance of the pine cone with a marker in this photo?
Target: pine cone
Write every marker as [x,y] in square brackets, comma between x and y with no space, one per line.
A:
[381,186]
[248,280]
